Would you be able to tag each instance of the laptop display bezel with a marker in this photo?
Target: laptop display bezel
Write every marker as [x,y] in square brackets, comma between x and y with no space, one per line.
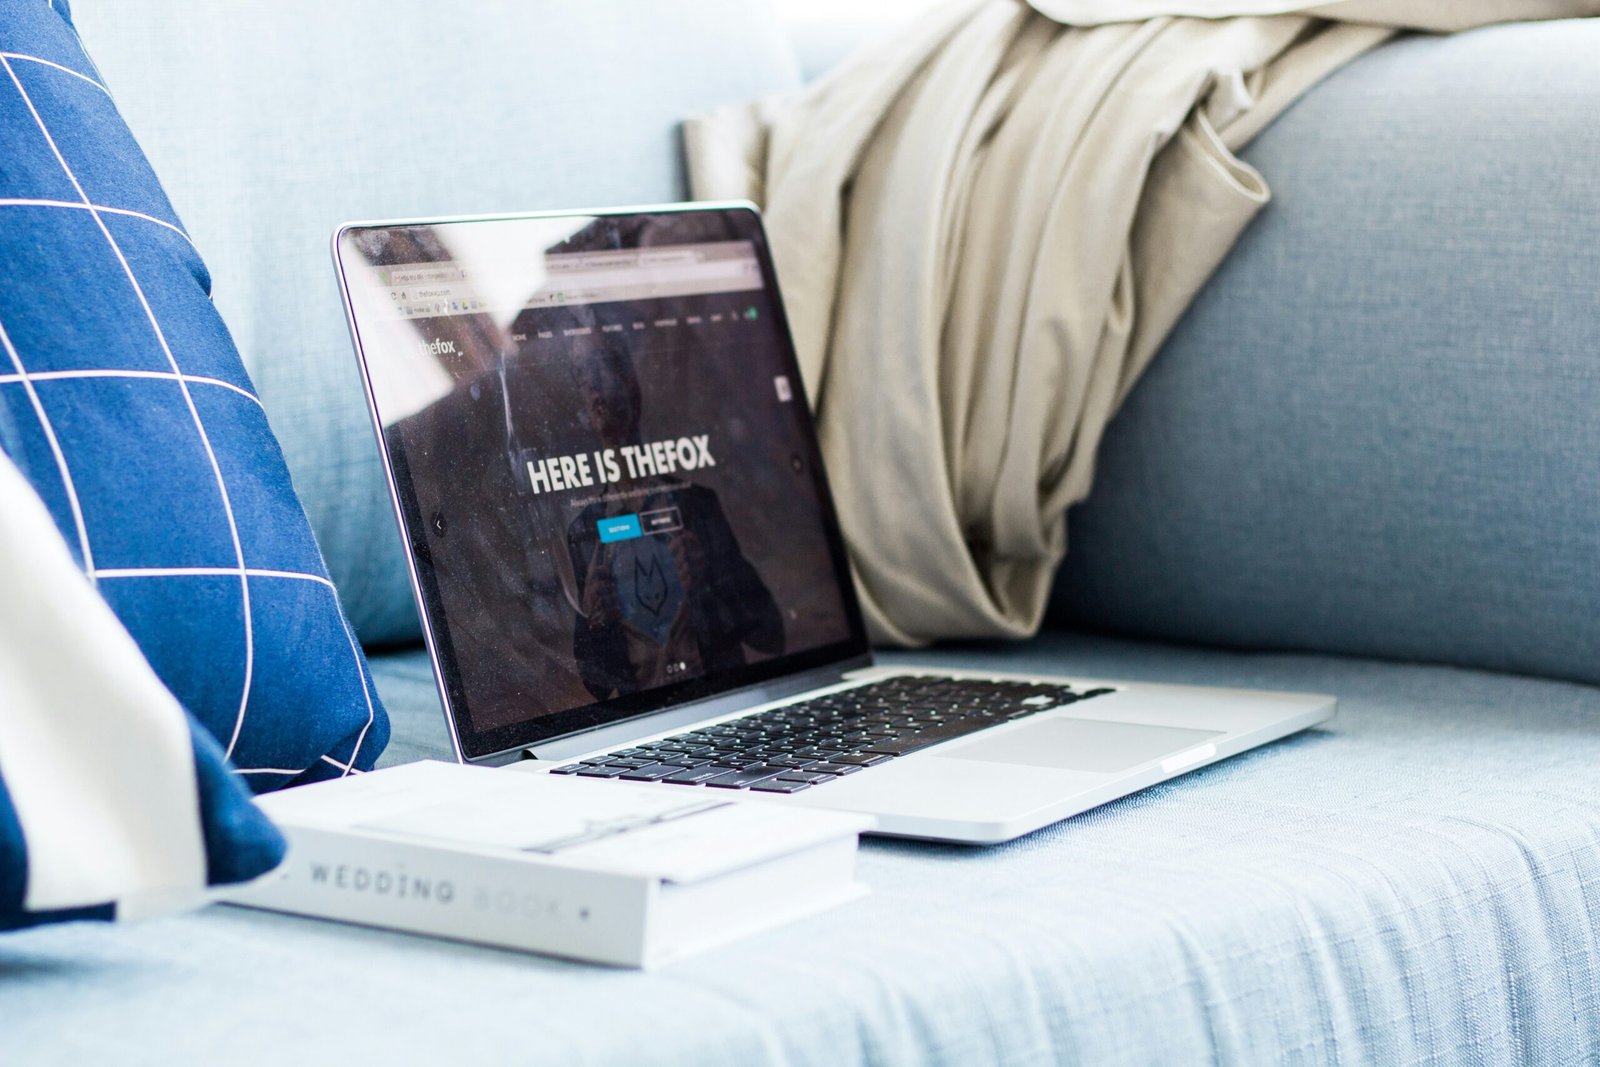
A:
[740,221]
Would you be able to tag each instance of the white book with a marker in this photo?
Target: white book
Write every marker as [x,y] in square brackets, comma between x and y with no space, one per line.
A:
[600,871]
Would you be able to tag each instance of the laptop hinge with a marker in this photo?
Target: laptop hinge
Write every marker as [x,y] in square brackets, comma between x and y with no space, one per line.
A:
[618,735]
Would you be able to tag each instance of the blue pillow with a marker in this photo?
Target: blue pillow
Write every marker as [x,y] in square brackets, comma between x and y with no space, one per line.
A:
[126,405]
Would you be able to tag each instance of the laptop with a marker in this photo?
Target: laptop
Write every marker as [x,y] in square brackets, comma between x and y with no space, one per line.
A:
[629,566]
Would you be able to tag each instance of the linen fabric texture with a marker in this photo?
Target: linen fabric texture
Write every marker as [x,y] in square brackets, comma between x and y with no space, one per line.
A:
[125,404]
[113,801]
[1417,882]
[985,229]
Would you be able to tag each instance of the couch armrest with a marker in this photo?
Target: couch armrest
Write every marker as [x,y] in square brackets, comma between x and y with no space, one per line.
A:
[1376,431]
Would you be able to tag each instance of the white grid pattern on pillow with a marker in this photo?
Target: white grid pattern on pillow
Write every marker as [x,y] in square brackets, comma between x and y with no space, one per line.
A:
[26,379]
[15,201]
[57,66]
[62,375]
[22,376]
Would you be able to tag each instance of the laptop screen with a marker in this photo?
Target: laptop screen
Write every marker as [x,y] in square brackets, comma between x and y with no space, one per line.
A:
[603,462]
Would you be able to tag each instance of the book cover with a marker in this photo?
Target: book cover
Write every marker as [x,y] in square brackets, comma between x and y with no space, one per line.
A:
[599,871]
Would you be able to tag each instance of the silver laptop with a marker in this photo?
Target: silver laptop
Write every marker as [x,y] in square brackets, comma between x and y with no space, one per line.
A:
[629,566]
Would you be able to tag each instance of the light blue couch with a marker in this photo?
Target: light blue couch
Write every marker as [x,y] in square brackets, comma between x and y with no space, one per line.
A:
[1371,447]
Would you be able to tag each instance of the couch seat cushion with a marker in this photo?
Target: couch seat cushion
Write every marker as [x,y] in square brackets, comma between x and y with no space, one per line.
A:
[1417,882]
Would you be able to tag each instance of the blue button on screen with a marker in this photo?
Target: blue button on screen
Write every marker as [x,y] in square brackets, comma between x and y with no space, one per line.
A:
[618,528]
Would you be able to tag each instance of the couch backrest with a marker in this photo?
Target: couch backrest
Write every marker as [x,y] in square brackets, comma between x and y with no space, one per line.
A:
[272,123]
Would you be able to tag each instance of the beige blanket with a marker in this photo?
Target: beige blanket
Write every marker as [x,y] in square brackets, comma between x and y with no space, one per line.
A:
[984,230]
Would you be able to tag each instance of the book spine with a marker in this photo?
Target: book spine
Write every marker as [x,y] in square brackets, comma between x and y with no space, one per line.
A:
[506,901]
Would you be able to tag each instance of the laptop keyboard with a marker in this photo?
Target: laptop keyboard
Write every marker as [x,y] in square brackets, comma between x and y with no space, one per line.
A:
[822,739]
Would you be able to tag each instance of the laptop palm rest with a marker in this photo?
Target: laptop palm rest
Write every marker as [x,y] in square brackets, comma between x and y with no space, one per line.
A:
[1091,745]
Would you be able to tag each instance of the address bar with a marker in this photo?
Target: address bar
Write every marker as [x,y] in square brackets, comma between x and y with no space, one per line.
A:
[663,274]
[432,290]
[439,275]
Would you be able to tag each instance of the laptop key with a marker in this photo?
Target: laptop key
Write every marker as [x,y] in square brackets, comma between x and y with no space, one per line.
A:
[598,772]
[835,769]
[744,779]
[862,759]
[650,773]
[819,753]
[571,768]
[693,775]
[808,777]
[778,785]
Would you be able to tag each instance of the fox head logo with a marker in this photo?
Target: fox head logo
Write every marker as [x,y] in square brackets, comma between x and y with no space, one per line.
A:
[650,585]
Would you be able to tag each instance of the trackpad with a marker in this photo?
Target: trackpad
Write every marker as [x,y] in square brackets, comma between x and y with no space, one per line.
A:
[1079,745]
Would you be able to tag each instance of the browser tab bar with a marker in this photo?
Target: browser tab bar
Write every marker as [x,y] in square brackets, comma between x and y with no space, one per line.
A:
[427,290]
